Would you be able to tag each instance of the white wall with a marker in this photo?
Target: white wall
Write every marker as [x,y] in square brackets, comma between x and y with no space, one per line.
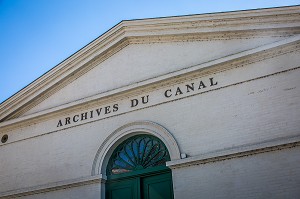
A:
[273,175]
[82,192]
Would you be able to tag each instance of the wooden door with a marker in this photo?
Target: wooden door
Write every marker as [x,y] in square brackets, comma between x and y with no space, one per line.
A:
[155,186]
[123,189]
[158,187]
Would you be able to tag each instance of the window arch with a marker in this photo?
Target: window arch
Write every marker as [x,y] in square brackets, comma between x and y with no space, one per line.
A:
[137,153]
[104,152]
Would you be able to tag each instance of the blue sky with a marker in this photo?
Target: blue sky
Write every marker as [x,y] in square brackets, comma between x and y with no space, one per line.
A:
[36,35]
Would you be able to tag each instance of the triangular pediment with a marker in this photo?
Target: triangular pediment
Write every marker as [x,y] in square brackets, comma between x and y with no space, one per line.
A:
[139,62]
[138,51]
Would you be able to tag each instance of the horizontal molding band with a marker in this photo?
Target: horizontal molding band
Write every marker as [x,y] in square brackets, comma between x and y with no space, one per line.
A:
[237,152]
[53,186]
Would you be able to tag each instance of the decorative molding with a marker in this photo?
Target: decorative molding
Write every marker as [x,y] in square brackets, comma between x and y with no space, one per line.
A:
[222,35]
[237,152]
[128,130]
[84,59]
[97,179]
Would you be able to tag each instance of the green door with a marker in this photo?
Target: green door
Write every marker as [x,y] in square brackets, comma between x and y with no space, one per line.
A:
[123,189]
[158,187]
[136,170]
[153,186]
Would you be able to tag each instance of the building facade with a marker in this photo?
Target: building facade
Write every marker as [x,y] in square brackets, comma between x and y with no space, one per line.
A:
[199,106]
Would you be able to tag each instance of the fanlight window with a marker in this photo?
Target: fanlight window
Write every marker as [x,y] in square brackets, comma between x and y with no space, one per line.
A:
[136,153]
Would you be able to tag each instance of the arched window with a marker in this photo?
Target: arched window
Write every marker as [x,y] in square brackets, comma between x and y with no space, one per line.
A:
[137,169]
[137,153]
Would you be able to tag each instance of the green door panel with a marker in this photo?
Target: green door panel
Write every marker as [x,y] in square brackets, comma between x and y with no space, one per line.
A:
[158,187]
[121,193]
[126,189]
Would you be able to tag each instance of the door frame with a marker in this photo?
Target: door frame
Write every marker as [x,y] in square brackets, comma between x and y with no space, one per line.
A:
[138,176]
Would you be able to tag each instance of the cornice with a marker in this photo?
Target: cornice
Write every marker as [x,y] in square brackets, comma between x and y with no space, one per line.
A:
[232,23]
[212,36]
[125,32]
[237,152]
[213,67]
[67,184]
[218,15]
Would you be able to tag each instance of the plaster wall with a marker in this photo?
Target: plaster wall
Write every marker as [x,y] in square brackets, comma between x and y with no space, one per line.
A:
[267,175]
